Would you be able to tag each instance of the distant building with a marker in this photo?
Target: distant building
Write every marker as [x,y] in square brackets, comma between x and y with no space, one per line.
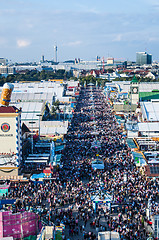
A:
[97,58]
[150,75]
[110,61]
[3,61]
[143,58]
[47,68]
[7,70]
[42,59]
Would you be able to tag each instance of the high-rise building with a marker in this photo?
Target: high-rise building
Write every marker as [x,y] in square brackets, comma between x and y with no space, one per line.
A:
[143,58]
[55,50]
[97,58]
[42,59]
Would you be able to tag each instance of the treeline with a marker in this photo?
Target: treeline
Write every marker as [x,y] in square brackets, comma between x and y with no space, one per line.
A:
[101,82]
[91,79]
[140,79]
[35,75]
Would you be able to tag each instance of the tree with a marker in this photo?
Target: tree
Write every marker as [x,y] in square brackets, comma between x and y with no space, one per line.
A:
[55,108]
[42,75]
[56,104]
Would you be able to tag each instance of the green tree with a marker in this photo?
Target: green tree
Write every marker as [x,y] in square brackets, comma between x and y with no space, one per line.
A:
[55,109]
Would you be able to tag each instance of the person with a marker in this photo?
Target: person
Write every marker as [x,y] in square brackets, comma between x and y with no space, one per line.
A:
[70,193]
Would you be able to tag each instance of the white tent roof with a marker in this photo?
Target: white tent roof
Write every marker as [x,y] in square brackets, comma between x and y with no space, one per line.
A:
[107,198]
[148,127]
[150,111]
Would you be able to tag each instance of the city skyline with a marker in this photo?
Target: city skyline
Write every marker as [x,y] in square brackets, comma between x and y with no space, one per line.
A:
[79,29]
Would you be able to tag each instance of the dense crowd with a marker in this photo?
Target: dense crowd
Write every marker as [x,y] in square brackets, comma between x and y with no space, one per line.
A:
[93,133]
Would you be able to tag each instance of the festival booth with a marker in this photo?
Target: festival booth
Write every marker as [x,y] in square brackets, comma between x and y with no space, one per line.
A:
[45,175]
[57,161]
[38,158]
[138,159]
[56,138]
[59,148]
[99,202]
[95,144]
[22,182]
[37,177]
[98,164]
[3,189]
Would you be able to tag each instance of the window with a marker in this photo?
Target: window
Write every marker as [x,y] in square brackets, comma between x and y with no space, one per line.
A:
[154,169]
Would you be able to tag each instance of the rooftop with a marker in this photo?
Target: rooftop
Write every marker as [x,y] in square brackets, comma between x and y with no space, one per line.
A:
[134,80]
[9,109]
[149,95]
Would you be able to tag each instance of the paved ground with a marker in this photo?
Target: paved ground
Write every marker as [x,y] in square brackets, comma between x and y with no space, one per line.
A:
[82,227]
[87,228]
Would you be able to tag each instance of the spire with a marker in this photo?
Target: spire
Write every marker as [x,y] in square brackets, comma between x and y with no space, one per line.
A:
[134,80]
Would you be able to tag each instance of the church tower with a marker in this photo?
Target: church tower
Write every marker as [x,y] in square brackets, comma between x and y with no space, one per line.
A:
[134,91]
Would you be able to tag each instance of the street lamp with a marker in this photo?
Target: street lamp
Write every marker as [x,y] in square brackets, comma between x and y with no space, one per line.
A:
[39,115]
[32,146]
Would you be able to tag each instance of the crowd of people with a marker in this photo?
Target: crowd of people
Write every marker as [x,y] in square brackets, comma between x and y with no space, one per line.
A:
[93,134]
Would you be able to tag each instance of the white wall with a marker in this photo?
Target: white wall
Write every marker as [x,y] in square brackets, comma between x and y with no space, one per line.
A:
[8,139]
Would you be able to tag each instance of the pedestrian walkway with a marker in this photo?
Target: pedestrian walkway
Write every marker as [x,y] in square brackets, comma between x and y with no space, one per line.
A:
[67,199]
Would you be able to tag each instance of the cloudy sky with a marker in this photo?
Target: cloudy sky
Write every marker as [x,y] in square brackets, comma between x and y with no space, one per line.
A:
[80,28]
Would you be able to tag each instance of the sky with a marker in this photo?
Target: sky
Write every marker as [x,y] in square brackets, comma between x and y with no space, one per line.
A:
[80,28]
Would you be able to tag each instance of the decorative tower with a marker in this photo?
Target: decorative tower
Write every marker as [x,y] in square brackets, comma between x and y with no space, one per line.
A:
[134,91]
[10,135]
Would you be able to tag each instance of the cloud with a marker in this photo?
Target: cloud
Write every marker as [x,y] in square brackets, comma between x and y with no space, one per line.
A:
[153,39]
[75,43]
[118,38]
[29,25]
[3,41]
[22,43]
[7,11]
